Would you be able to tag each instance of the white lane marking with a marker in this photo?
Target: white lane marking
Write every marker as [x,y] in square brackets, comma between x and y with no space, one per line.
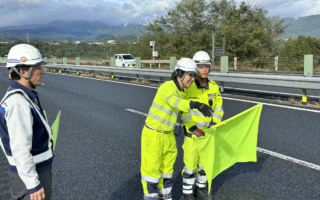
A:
[269,104]
[288,158]
[106,80]
[289,94]
[42,84]
[228,98]
[271,153]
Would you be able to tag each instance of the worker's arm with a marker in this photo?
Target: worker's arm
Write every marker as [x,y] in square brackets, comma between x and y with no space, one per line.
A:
[217,109]
[169,95]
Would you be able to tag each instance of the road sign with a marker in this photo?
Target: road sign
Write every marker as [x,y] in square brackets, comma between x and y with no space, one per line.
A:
[218,51]
[152,43]
[155,54]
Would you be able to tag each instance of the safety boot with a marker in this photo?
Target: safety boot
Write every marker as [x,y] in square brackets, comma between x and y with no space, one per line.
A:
[187,197]
[202,194]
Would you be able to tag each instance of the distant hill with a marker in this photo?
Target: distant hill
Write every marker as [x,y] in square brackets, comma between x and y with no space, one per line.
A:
[63,30]
[94,31]
[309,25]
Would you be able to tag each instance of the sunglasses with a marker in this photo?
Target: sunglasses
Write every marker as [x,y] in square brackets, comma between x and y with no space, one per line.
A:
[192,75]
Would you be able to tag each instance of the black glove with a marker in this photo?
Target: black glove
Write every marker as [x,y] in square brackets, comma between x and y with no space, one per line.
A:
[204,109]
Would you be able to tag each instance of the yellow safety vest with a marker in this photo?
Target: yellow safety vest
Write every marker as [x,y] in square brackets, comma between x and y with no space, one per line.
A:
[203,95]
[165,107]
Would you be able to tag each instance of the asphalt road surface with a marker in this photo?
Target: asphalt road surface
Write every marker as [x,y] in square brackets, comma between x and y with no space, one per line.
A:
[98,149]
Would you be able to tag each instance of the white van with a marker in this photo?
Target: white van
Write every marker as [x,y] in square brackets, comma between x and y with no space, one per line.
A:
[124,60]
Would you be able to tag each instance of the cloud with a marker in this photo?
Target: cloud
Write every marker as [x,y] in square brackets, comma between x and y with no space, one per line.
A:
[119,12]
[21,12]
[288,8]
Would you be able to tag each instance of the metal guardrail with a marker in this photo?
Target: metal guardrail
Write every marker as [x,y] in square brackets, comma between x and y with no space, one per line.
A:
[298,82]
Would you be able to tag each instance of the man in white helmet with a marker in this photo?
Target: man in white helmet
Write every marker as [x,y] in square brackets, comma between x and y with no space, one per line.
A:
[25,135]
[207,92]
[158,144]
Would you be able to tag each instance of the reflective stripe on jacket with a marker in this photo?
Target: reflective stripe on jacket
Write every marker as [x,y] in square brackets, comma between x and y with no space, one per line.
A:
[205,94]
[167,103]
[25,138]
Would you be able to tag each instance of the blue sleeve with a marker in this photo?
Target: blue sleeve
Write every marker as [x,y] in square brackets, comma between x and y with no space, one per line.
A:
[192,104]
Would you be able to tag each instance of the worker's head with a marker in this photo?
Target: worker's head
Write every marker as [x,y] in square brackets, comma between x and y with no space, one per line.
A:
[184,72]
[24,64]
[203,61]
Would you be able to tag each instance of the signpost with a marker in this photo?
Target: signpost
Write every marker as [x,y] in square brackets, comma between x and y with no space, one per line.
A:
[152,44]
[218,51]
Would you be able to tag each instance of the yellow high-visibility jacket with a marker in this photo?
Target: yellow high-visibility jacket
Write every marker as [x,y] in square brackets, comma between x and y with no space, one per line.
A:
[195,119]
[166,105]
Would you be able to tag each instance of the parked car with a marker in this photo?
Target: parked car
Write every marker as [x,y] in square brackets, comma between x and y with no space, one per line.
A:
[124,60]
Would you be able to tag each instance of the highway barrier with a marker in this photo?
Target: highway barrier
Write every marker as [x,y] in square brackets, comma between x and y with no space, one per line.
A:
[307,82]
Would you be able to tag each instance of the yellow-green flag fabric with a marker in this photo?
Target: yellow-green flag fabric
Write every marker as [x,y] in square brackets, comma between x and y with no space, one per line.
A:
[55,129]
[231,141]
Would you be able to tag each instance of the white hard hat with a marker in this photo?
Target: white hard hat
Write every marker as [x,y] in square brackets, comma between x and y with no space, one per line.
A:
[187,65]
[24,54]
[202,57]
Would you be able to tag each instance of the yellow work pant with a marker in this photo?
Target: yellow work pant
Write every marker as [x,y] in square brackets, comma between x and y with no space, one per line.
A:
[158,155]
[193,169]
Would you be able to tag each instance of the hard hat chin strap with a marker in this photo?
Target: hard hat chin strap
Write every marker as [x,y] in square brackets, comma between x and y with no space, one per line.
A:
[184,76]
[28,78]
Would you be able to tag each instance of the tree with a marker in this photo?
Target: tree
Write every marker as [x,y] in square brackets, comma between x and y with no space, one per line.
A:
[187,28]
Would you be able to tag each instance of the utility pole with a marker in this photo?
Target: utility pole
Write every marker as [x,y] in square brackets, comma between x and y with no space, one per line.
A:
[213,46]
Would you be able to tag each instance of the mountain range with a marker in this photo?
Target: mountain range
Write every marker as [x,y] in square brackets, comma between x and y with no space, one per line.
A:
[87,31]
[309,25]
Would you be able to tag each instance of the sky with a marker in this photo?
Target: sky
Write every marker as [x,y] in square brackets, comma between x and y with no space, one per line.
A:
[121,12]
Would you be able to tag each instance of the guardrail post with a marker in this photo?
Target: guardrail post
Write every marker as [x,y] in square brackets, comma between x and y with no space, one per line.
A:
[304,97]
[77,60]
[223,68]
[112,62]
[138,77]
[138,62]
[150,65]
[222,87]
[54,60]
[173,62]
[92,74]
[235,62]
[65,60]
[224,64]
[276,62]
[308,65]
[159,64]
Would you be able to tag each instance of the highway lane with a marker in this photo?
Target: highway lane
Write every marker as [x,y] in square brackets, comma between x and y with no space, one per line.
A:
[98,149]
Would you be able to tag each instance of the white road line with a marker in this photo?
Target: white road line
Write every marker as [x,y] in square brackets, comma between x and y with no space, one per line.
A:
[275,105]
[106,80]
[42,84]
[228,98]
[288,158]
[289,94]
[271,153]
